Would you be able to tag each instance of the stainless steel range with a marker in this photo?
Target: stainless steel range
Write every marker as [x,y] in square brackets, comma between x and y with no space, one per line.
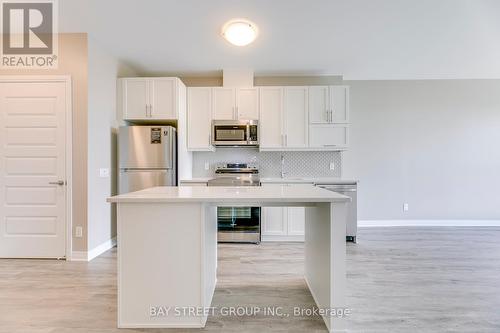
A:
[237,224]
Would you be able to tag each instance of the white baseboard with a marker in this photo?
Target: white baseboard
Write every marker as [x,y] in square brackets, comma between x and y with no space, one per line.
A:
[95,252]
[429,223]
[79,256]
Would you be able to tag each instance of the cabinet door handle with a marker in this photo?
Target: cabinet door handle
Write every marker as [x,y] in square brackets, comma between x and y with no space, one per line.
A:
[237,115]
[330,145]
[286,140]
[150,111]
[147,111]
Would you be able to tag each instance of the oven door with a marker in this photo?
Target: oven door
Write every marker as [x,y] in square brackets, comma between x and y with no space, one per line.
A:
[238,224]
[229,135]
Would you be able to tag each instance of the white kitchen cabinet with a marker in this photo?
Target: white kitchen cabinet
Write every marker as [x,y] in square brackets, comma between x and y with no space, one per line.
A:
[329,136]
[163,98]
[271,117]
[328,104]
[283,118]
[224,103]
[135,98]
[199,119]
[247,103]
[235,103]
[296,217]
[283,223]
[339,104]
[295,117]
[273,221]
[149,98]
[318,104]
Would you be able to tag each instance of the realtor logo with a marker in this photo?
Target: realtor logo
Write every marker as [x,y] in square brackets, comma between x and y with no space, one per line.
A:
[29,37]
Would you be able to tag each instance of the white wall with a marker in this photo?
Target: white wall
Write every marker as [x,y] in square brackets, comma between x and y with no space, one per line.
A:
[103,72]
[432,144]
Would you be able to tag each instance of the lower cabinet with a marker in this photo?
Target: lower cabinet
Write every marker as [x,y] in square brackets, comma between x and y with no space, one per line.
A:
[283,224]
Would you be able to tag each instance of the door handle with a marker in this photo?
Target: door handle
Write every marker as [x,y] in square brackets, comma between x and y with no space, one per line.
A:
[59,182]
[150,111]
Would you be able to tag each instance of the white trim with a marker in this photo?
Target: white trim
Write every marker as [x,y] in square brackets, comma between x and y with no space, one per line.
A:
[100,249]
[79,256]
[95,252]
[69,147]
[429,223]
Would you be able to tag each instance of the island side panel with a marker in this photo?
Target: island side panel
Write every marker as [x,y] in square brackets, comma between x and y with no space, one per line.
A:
[325,255]
[209,253]
[159,263]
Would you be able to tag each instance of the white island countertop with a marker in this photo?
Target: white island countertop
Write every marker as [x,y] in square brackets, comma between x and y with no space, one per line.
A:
[233,195]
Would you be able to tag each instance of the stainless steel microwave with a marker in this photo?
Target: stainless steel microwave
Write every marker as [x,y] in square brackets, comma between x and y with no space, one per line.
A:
[235,133]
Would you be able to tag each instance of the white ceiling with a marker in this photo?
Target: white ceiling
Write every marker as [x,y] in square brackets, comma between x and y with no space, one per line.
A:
[360,39]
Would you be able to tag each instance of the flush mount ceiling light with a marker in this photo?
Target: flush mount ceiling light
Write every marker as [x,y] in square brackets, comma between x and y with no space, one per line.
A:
[240,32]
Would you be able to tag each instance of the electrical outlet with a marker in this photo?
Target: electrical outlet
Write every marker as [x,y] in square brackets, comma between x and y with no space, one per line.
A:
[405,207]
[332,166]
[78,232]
[207,166]
[104,172]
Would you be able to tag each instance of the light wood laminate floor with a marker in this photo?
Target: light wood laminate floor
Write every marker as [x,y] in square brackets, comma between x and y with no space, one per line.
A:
[399,280]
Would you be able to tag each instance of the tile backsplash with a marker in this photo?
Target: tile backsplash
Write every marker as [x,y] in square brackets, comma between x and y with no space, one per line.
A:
[297,163]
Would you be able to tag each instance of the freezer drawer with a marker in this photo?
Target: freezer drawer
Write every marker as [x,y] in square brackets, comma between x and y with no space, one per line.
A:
[136,179]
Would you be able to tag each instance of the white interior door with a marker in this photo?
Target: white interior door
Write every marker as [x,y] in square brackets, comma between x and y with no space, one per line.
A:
[32,160]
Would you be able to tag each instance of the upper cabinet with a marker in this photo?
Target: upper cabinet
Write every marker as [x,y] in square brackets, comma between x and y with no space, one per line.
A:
[235,103]
[199,115]
[149,98]
[283,118]
[295,118]
[247,103]
[271,118]
[224,103]
[328,104]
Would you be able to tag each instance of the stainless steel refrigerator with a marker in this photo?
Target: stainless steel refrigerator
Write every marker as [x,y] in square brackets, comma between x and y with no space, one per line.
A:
[147,157]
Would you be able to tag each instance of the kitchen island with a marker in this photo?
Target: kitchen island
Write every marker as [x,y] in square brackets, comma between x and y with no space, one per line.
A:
[167,250]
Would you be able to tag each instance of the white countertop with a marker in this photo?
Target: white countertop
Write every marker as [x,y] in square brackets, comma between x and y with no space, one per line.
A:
[234,195]
[287,180]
